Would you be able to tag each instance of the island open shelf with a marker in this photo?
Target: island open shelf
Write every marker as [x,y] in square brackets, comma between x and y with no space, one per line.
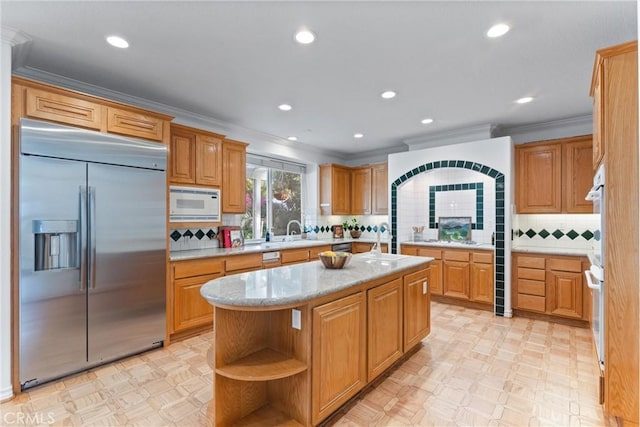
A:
[291,343]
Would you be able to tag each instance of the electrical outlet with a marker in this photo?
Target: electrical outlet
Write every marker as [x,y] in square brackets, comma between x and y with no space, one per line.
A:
[296,319]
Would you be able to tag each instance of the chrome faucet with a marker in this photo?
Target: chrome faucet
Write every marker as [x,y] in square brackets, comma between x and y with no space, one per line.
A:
[377,248]
[293,221]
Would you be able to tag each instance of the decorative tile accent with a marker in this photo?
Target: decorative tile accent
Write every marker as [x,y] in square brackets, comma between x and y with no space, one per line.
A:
[543,233]
[572,234]
[588,235]
[175,235]
[500,215]
[478,186]
[557,234]
[211,234]
[199,234]
[188,234]
[530,233]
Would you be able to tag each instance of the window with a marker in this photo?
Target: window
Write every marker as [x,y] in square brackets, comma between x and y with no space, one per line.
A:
[273,194]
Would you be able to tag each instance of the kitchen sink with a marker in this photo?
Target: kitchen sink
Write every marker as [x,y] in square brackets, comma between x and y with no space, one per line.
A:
[382,257]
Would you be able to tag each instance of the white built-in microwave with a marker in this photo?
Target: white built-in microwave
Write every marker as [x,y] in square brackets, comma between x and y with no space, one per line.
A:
[194,204]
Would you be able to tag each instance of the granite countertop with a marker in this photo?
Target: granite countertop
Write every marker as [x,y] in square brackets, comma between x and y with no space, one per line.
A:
[442,244]
[302,282]
[550,250]
[262,247]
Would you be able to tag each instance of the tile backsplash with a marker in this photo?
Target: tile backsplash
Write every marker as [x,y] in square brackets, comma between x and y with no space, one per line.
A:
[184,239]
[571,231]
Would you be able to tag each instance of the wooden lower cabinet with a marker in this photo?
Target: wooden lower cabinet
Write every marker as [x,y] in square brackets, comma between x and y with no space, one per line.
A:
[294,256]
[564,294]
[456,279]
[553,285]
[339,352]
[361,247]
[417,308]
[481,283]
[384,327]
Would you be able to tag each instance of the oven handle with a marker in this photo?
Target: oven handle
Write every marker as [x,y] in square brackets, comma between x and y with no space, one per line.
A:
[590,283]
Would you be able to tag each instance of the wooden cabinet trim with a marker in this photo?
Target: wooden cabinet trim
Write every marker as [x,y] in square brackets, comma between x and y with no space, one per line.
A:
[134,123]
[56,107]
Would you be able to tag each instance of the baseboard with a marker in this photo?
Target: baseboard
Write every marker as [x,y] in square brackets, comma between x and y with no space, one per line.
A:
[6,394]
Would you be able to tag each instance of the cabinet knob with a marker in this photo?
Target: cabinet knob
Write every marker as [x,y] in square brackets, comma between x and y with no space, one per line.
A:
[424,287]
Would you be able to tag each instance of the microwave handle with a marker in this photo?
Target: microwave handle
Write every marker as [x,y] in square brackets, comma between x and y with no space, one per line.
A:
[590,283]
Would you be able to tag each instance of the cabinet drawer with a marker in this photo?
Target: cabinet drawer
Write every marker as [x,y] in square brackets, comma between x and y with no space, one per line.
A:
[531,262]
[456,256]
[127,122]
[531,287]
[197,267]
[530,273]
[531,302]
[483,257]
[435,253]
[295,255]
[315,250]
[562,264]
[243,262]
[64,109]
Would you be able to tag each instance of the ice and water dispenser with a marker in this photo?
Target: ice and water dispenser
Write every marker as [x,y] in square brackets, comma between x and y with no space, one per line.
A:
[56,244]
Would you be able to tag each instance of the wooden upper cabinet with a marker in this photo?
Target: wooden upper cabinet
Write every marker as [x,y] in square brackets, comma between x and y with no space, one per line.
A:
[209,160]
[578,174]
[539,178]
[47,102]
[60,108]
[182,156]
[196,157]
[361,191]
[335,190]
[234,176]
[598,123]
[133,123]
[554,176]
[379,189]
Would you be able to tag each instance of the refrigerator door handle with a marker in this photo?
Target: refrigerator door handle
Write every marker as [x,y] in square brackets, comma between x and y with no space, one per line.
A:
[82,241]
[92,237]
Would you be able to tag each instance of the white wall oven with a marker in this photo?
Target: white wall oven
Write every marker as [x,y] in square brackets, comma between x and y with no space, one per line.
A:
[595,274]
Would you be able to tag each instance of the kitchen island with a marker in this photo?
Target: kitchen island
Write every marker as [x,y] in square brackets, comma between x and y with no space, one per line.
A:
[292,344]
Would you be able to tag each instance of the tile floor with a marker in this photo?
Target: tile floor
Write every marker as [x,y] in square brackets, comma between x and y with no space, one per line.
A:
[474,369]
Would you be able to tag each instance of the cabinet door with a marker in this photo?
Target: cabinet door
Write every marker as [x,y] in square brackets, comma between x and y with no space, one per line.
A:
[183,157]
[435,277]
[341,191]
[293,256]
[41,104]
[234,172]
[361,191]
[384,327]
[564,294]
[538,178]
[132,123]
[339,352]
[379,190]
[208,160]
[481,289]
[190,309]
[417,308]
[578,157]
[456,279]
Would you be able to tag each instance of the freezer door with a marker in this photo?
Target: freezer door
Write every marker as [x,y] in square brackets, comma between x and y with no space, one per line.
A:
[127,258]
[53,298]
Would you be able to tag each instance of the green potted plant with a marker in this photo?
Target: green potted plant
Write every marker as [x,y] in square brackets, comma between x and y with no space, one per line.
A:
[353,227]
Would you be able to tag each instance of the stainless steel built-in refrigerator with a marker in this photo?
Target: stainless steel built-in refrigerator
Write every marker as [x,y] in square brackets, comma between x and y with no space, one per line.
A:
[92,249]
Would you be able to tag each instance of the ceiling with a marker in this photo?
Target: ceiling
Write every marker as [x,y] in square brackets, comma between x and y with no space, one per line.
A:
[237,61]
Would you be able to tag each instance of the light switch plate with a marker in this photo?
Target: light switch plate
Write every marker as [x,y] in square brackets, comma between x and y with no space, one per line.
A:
[296,319]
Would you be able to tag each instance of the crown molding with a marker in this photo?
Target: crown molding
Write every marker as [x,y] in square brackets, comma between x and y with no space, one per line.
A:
[571,126]
[452,136]
[181,116]
[13,37]
[374,156]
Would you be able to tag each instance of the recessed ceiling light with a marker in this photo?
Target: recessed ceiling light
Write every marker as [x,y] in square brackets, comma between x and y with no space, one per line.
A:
[284,107]
[358,135]
[525,100]
[119,42]
[292,138]
[426,121]
[498,30]
[388,94]
[305,37]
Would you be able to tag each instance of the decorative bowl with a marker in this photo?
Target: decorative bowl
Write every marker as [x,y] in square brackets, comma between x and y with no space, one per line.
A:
[334,260]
